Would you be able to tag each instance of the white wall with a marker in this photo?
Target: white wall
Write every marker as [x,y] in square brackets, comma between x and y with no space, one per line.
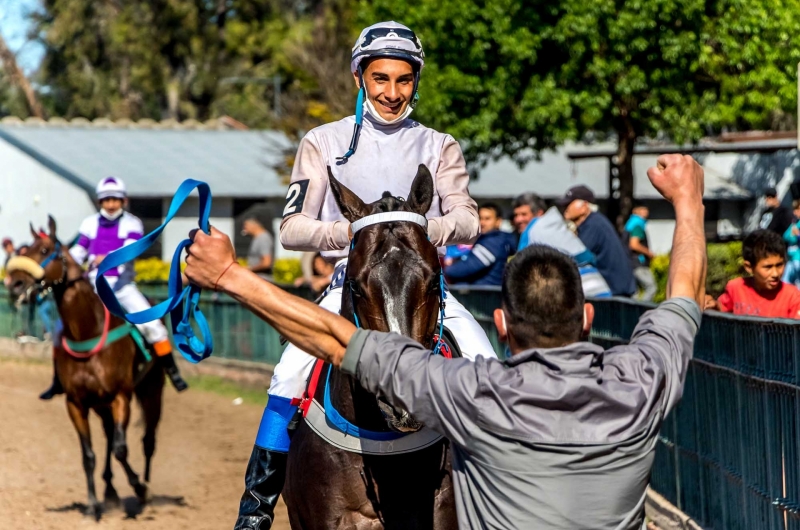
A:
[178,229]
[29,192]
[659,235]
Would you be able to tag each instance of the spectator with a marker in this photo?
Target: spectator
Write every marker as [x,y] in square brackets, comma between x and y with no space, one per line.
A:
[636,237]
[763,293]
[321,277]
[485,263]
[549,228]
[776,218]
[792,272]
[259,256]
[600,237]
[8,246]
[526,207]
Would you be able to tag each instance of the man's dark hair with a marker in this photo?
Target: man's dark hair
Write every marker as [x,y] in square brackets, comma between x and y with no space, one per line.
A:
[762,244]
[535,202]
[491,206]
[543,298]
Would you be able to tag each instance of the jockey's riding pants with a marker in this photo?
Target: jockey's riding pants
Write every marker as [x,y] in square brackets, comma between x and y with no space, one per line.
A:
[133,301]
[292,372]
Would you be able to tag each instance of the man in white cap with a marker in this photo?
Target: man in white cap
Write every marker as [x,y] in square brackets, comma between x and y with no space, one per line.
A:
[108,230]
[379,149]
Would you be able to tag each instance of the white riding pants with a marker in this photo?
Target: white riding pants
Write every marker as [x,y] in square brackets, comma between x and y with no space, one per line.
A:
[291,373]
[133,301]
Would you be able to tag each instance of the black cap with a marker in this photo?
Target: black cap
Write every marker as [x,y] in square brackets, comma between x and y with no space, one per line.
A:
[575,193]
[770,192]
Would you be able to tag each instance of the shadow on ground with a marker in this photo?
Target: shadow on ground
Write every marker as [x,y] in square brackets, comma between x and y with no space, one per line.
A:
[129,505]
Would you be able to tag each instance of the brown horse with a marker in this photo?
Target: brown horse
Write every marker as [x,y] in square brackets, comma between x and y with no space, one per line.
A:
[103,382]
[392,282]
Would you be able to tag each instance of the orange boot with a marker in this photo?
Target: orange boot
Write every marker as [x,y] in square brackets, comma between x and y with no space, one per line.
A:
[163,351]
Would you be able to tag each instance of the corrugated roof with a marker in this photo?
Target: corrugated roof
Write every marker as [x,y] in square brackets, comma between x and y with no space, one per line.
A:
[153,162]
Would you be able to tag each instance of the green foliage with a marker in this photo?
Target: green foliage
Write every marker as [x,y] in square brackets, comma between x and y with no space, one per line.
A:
[724,264]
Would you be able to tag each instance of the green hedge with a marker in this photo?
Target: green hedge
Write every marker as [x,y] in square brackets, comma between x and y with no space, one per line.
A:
[724,264]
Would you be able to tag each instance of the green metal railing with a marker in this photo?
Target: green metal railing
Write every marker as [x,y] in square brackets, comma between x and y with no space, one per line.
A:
[729,455]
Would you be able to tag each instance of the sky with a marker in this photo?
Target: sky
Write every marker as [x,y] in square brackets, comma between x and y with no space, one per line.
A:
[14,27]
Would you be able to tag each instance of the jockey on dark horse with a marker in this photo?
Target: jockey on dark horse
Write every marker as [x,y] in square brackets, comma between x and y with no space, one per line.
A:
[104,232]
[387,61]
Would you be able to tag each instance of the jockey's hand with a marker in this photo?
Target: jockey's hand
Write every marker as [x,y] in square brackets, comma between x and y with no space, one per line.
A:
[678,178]
[98,260]
[209,257]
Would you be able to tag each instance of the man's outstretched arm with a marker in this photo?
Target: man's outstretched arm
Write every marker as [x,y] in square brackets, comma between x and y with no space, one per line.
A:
[211,264]
[679,179]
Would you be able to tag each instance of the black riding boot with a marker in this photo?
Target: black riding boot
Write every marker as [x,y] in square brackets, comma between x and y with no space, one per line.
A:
[55,388]
[167,362]
[263,483]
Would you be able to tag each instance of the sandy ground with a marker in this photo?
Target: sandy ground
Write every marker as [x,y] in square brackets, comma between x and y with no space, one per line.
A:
[203,445]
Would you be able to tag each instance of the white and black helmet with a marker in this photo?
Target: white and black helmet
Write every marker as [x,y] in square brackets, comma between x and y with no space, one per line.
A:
[388,39]
[110,187]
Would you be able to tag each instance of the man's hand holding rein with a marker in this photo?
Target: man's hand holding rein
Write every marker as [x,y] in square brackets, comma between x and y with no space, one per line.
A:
[211,264]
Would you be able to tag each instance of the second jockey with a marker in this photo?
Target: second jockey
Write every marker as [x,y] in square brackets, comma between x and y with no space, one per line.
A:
[380,153]
[108,230]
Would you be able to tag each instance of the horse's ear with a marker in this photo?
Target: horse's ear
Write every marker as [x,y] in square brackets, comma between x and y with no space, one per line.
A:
[51,226]
[350,205]
[34,232]
[421,195]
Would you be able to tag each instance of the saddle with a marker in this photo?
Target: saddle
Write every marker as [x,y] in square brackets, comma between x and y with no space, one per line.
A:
[328,424]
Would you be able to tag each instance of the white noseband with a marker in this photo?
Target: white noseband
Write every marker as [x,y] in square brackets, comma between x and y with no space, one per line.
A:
[389,217]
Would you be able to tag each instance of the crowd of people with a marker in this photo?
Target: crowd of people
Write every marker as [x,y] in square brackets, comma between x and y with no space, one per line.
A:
[610,264]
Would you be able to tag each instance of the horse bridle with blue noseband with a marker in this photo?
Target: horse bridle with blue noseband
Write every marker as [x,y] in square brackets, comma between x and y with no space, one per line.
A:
[43,289]
[394,217]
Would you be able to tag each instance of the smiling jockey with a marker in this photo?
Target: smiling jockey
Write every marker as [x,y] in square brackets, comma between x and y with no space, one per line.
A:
[378,153]
[100,234]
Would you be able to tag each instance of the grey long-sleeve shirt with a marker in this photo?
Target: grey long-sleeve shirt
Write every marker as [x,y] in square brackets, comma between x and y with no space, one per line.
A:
[558,438]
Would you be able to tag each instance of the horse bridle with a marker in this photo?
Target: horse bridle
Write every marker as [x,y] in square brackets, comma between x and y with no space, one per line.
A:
[43,290]
[393,217]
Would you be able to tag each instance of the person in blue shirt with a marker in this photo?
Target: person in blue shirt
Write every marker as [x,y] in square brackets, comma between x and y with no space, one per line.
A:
[599,236]
[791,274]
[636,237]
[539,227]
[485,262]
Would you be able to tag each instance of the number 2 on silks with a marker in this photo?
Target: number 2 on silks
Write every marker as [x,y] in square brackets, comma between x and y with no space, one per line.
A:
[295,197]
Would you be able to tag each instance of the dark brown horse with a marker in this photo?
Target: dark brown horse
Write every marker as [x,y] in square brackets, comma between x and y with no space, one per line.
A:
[103,382]
[392,283]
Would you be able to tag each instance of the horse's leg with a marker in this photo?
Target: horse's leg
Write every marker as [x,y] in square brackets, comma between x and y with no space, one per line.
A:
[150,393]
[110,496]
[80,419]
[121,410]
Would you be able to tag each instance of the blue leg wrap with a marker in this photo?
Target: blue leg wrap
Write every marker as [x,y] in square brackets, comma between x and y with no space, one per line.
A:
[273,434]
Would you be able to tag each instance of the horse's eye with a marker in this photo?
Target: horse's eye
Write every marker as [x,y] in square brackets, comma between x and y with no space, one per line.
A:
[44,252]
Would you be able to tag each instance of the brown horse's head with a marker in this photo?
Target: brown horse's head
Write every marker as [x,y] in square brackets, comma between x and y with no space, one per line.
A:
[27,275]
[393,272]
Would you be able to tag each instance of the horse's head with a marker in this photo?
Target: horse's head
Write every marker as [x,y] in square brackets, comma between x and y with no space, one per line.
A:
[43,267]
[393,272]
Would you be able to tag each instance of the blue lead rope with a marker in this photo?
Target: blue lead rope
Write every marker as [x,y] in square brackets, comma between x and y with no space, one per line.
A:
[183,302]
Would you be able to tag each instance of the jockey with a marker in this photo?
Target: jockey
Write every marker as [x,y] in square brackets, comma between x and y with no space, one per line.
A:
[110,229]
[378,153]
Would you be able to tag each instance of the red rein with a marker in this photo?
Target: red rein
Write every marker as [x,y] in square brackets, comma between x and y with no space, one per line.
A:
[100,343]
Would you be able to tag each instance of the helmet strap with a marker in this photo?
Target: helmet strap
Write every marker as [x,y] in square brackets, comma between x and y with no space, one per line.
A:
[362,94]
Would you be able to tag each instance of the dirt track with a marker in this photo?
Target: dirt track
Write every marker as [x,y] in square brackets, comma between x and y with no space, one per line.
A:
[203,445]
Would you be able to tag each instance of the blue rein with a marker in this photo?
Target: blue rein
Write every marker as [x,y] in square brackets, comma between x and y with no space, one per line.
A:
[183,302]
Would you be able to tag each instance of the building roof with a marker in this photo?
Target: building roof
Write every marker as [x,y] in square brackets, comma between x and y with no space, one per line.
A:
[556,172]
[153,158]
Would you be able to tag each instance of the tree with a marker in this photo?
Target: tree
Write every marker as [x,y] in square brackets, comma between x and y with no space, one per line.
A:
[19,79]
[516,78]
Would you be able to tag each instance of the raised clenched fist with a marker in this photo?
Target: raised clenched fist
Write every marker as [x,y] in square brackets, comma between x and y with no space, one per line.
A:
[677,178]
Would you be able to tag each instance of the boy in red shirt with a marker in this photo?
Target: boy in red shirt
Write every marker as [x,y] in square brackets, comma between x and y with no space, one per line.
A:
[763,294]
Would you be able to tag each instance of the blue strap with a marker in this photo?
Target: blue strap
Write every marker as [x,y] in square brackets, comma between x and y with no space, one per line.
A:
[52,256]
[182,302]
[359,120]
[273,433]
[346,427]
